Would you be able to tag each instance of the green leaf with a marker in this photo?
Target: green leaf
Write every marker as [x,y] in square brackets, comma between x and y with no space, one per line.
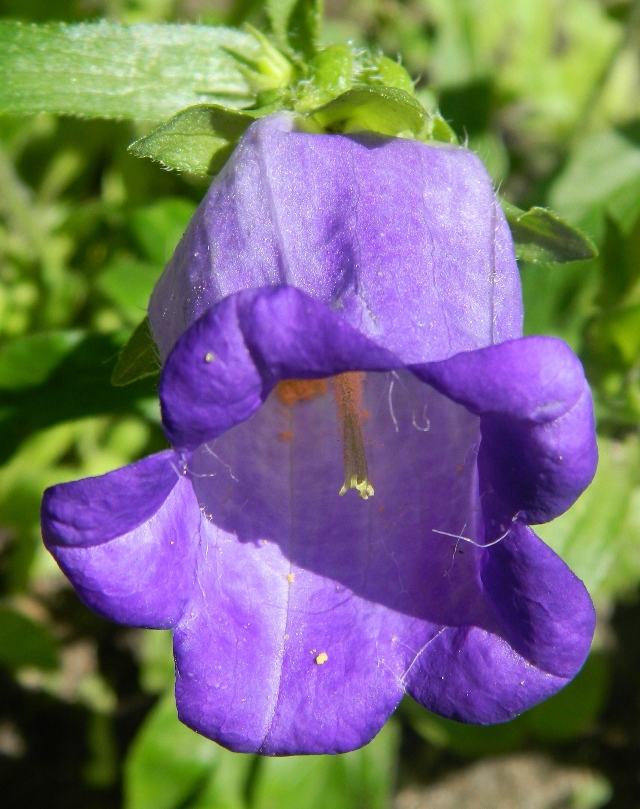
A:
[157,666]
[296,23]
[138,358]
[602,177]
[620,328]
[545,58]
[199,139]
[558,299]
[167,761]
[128,283]
[363,778]
[542,236]
[25,643]
[159,227]
[77,386]
[386,110]
[599,537]
[169,765]
[29,361]
[144,72]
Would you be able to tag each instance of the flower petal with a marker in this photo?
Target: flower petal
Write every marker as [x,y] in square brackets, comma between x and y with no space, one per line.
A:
[538,450]
[543,608]
[289,571]
[127,540]
[361,223]
[249,670]
[546,625]
[472,675]
[225,365]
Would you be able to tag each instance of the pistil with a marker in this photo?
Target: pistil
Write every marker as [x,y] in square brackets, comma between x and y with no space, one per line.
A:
[351,416]
[348,394]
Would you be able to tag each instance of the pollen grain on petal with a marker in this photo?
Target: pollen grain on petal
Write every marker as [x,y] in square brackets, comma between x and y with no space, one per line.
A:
[321,658]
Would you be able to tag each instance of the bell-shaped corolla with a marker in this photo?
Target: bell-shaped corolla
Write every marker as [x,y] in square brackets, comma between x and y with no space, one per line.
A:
[360,439]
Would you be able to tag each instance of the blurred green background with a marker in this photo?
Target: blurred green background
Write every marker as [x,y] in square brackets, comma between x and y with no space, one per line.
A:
[548,94]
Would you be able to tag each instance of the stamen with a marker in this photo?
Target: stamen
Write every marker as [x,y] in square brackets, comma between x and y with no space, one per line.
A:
[351,415]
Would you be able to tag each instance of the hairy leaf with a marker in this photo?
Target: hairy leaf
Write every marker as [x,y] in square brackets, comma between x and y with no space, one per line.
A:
[145,72]
[138,358]
[541,235]
[199,139]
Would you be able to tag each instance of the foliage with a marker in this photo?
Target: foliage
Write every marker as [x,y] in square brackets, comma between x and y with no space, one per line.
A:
[546,94]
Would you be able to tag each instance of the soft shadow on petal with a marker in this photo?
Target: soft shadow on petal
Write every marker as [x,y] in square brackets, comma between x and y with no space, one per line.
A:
[127,540]
[544,609]
[289,570]
[276,477]
[475,676]
[227,363]
[538,450]
[248,647]
[392,590]
[547,622]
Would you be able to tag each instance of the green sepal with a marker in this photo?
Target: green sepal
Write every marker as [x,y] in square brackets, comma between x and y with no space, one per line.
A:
[386,110]
[268,69]
[331,73]
[339,68]
[436,128]
[542,236]
[392,74]
[198,139]
[138,357]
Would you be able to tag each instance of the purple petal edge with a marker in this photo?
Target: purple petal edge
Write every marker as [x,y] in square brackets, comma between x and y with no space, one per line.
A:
[538,453]
[546,620]
[126,540]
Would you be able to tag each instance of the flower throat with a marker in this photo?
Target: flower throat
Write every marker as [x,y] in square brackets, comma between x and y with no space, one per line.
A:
[348,394]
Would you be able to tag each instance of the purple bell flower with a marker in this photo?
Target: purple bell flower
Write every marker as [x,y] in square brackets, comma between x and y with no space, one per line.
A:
[361,438]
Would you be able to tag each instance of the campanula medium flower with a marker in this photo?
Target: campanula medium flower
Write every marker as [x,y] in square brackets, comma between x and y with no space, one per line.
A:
[360,440]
